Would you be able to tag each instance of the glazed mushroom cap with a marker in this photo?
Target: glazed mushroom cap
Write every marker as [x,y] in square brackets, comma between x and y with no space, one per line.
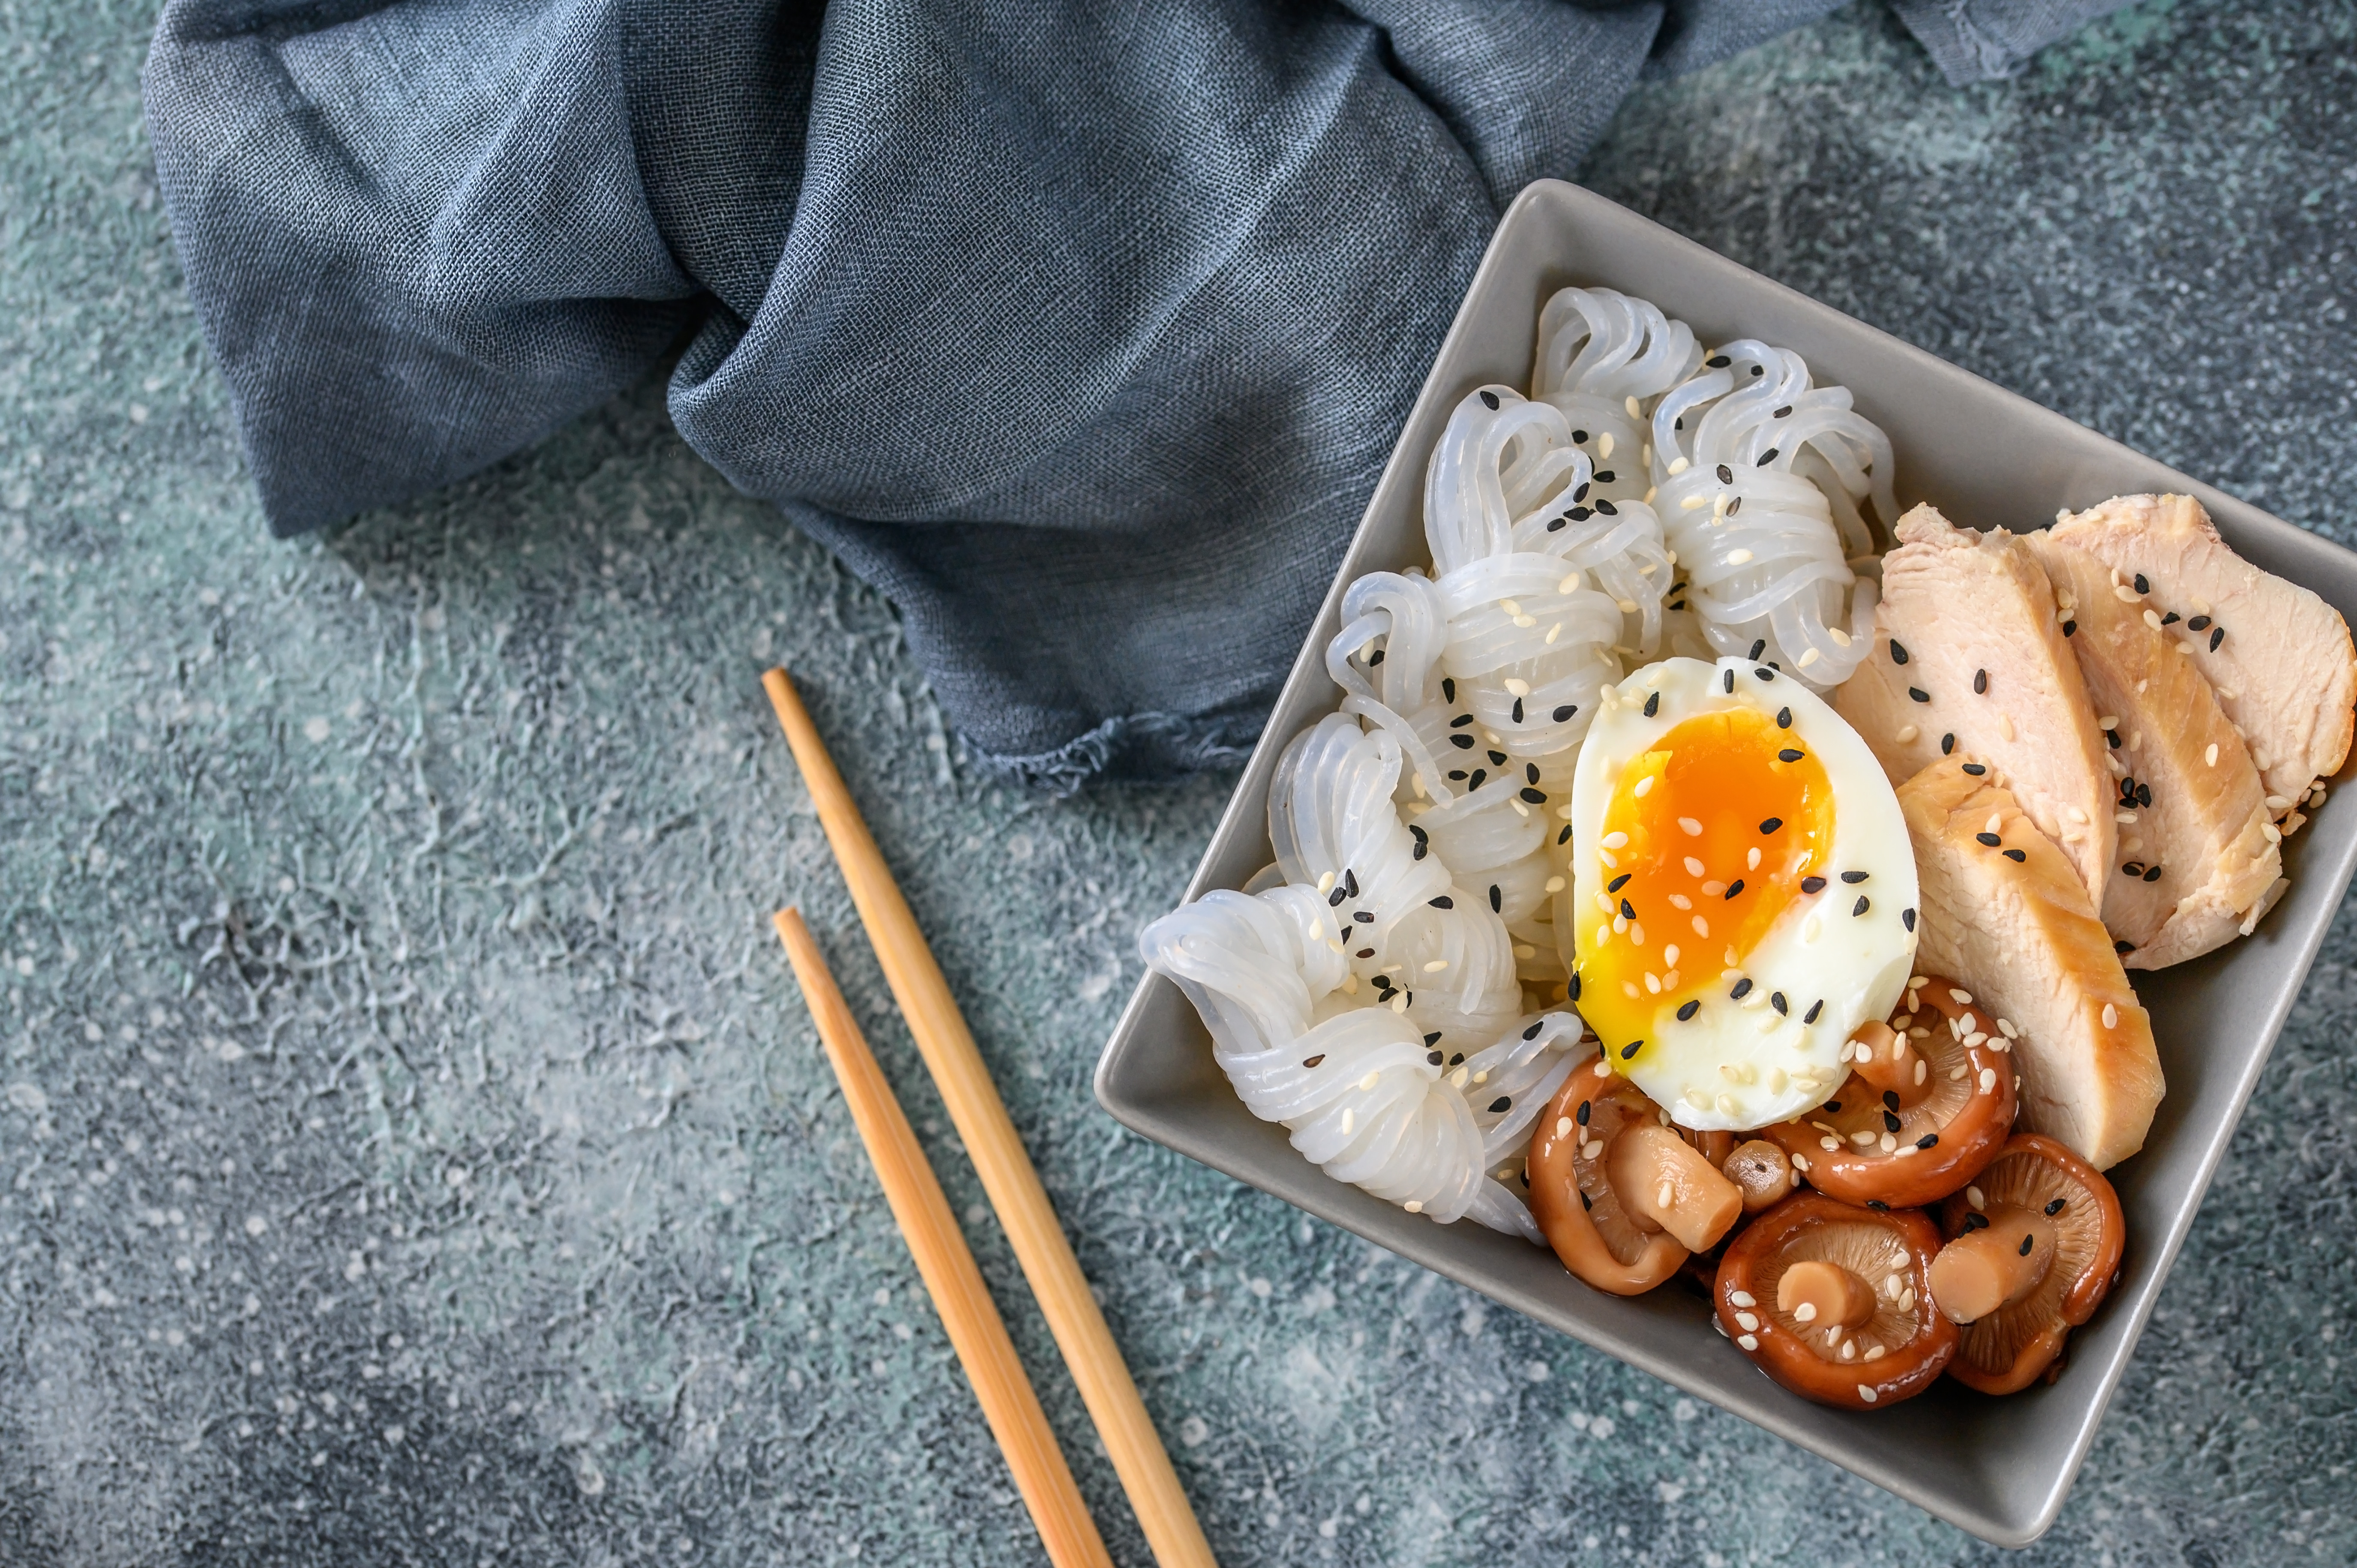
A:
[1928,1101]
[1619,1196]
[1834,1301]
[2034,1245]
[1762,1172]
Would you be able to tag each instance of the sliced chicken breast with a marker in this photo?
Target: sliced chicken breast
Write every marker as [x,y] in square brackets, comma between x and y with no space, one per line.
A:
[2278,656]
[2004,913]
[2197,852]
[1969,661]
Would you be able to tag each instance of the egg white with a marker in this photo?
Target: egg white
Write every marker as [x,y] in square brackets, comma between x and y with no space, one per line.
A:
[1815,948]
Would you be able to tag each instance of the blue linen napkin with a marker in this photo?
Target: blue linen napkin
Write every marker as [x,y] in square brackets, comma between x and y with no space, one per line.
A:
[1082,331]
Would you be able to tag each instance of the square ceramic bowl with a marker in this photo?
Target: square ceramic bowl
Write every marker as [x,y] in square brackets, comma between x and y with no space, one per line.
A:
[1999,1469]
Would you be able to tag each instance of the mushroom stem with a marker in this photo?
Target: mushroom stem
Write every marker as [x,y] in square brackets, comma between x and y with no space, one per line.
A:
[1991,1266]
[1762,1172]
[1889,1061]
[1825,1296]
[1664,1185]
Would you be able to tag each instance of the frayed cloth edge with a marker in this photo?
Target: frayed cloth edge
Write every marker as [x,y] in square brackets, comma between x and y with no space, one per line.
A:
[1130,747]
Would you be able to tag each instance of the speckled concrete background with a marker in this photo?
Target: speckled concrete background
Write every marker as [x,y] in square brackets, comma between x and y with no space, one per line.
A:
[412,1149]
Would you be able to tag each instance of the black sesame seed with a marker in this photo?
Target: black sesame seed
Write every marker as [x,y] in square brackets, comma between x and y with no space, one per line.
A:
[1878,1205]
[1581,1114]
[1530,772]
[1433,1058]
[1812,884]
[1767,458]
[1630,1049]
[1980,682]
[2217,636]
[1726,682]
[1742,988]
[1686,1013]
[1488,400]
[1420,851]
[1432,1039]
[1606,507]
[1618,883]
[1975,768]
[1898,654]
[1496,903]
[1586,1201]
[1350,881]
[1890,1098]
[1518,711]
[2029,1242]
[1759,647]
[1456,773]
[2141,585]
[2134,869]
[1532,1031]
[1503,1102]
[1907,917]
[1363,917]
[1783,718]
[1853,877]
[1928,1141]
[1580,494]
[1783,412]
[2171,619]
[1444,902]
[1313,1062]
[2018,856]
[1776,1000]
[1478,774]
[1717,363]
[1579,514]
[1626,912]
[2114,736]
[1976,1222]
[1497,758]
[1572,990]
[2153,875]
[1789,754]
[1564,837]
[2199,623]
[1759,370]
[1889,1121]
[1771,824]
[1860,906]
[2068,627]
[1735,506]
[1919,694]
[1460,721]
[1653,703]
[1461,742]
[2124,947]
[1334,899]
[1680,423]
[2055,1207]
[1449,688]
[1605,476]
[1563,713]
[1364,952]
[1556,524]
[1947,745]
[1815,1008]
[1580,436]
[1456,1059]
[1734,887]
[1535,797]
[2144,794]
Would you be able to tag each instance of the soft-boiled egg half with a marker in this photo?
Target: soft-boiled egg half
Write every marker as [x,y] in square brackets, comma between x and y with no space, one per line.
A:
[1742,893]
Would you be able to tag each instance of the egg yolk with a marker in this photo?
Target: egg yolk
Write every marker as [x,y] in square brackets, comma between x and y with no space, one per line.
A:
[1706,838]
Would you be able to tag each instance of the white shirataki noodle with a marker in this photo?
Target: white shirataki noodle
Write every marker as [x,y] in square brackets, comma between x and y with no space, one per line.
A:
[1771,552]
[1264,971]
[1597,349]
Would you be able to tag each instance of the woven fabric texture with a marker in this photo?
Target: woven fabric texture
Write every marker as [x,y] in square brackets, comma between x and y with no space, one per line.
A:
[1081,331]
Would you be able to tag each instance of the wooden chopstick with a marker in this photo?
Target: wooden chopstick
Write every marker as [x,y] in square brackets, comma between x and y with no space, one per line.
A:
[1164,1515]
[976,1331]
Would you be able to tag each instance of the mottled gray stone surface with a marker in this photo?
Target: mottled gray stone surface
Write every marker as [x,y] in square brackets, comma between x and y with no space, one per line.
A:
[412,1149]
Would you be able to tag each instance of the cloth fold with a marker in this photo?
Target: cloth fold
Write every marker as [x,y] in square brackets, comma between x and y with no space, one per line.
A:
[1082,333]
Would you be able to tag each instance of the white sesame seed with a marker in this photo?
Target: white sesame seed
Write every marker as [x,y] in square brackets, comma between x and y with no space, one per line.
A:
[1806,1313]
[1370,1081]
[1604,444]
[1436,966]
[1692,828]
[1326,883]
[1874,1353]
[1603,1069]
[1972,1195]
[1563,1126]
[1570,585]
[1663,1194]
[1741,1298]
[1516,687]
[1510,606]
[1678,465]
[2209,755]
[1748,1320]
[1961,998]
[1959,1071]
[1866,1392]
[1906,734]
[1738,557]
[1750,1342]
[1644,787]
[1809,656]
[1751,861]
[1849,1350]
[1554,884]
[2111,1016]
[1693,502]
[1989,1080]
[1830,1145]
[1614,841]
[1350,1120]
